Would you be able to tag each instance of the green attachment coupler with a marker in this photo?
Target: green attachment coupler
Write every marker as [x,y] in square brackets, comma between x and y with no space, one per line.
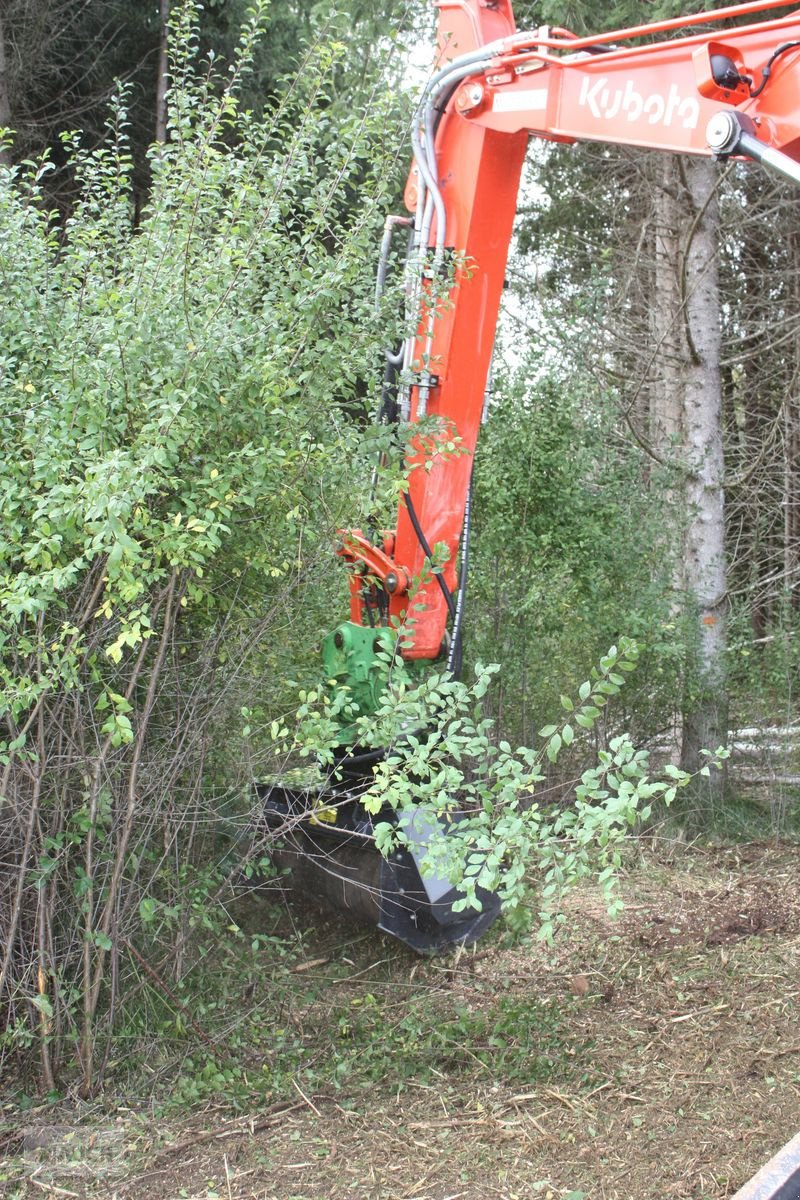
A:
[357,661]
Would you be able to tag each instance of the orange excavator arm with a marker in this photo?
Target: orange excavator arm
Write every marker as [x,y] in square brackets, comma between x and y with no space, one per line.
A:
[723,82]
[701,84]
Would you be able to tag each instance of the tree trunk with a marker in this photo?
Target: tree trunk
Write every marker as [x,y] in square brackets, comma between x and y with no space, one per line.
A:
[685,391]
[5,100]
[666,324]
[162,73]
[791,522]
[791,453]
[705,708]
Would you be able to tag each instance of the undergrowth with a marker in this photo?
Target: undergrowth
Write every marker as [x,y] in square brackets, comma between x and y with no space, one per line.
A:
[234,1041]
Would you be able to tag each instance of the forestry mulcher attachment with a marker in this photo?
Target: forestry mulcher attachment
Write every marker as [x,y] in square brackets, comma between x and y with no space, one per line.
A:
[720,83]
[339,863]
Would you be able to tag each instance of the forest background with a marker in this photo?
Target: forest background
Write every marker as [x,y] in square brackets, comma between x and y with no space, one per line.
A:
[187,376]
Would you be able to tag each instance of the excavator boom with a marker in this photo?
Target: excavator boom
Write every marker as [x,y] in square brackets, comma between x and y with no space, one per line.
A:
[720,83]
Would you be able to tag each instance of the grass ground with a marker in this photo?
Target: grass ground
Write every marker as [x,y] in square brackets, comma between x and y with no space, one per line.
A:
[654,1056]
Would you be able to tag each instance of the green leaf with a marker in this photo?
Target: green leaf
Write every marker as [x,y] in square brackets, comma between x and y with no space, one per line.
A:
[673,772]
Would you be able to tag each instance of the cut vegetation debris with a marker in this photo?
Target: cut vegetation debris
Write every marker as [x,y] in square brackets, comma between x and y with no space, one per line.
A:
[655,1056]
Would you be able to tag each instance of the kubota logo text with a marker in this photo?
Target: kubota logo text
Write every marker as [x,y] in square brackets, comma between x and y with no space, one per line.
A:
[656,109]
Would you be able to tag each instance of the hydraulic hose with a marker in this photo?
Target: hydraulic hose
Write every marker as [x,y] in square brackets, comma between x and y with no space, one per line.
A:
[423,541]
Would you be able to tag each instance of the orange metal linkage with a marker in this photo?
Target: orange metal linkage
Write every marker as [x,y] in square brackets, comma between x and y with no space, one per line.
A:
[641,86]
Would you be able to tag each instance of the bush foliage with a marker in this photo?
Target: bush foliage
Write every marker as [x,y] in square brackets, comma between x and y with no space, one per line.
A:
[173,406]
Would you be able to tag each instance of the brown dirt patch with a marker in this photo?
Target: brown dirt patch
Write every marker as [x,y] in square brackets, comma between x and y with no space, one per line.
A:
[677,1072]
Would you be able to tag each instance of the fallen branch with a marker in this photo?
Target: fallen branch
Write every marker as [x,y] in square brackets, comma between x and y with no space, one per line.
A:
[279,1109]
[167,990]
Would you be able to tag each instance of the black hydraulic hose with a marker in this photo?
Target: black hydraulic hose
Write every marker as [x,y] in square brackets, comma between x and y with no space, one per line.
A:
[388,412]
[423,541]
[439,106]
[767,69]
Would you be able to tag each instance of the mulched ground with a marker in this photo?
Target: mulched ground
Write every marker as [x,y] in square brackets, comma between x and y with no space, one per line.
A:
[678,1076]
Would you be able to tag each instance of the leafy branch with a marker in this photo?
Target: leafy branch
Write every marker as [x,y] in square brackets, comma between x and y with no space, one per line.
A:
[441,756]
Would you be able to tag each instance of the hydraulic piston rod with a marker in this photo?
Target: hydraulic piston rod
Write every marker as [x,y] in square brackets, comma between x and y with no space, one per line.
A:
[730,133]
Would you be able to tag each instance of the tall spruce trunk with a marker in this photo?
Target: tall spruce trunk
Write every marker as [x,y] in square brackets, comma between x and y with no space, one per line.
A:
[686,431]
[162,72]
[705,713]
[5,100]
[791,453]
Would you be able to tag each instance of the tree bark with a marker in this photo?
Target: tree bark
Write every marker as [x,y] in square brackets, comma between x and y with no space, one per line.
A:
[666,324]
[705,708]
[162,73]
[791,454]
[685,392]
[5,99]
[791,522]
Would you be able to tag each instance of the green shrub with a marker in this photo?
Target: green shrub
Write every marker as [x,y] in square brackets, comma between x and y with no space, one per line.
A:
[174,392]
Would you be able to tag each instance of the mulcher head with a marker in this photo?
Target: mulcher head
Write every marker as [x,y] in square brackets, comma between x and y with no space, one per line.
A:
[337,862]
